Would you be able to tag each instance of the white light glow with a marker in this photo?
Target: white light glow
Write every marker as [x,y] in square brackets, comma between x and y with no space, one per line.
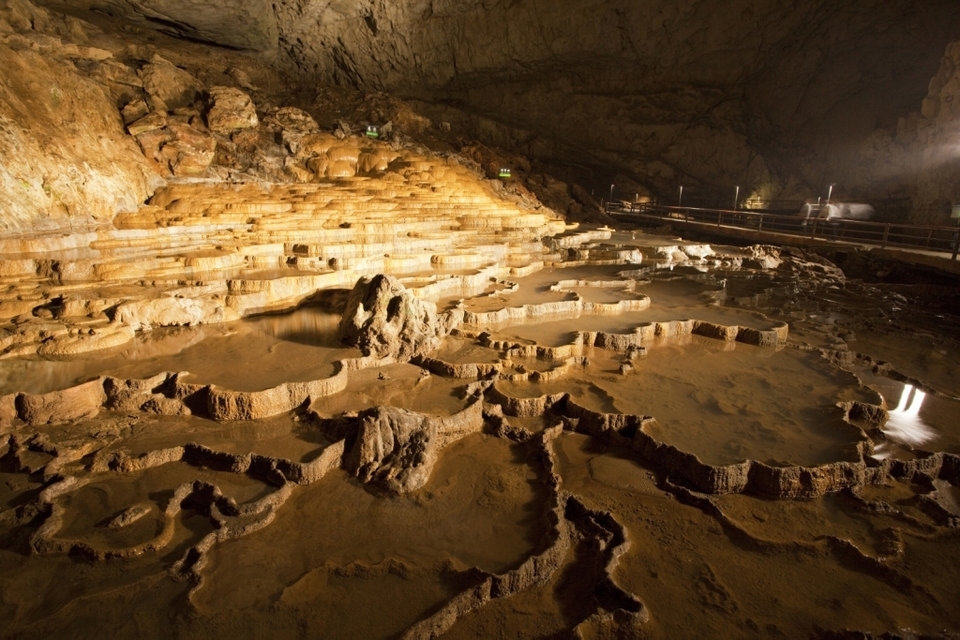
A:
[905,424]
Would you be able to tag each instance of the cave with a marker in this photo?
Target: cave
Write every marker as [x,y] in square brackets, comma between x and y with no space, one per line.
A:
[491,318]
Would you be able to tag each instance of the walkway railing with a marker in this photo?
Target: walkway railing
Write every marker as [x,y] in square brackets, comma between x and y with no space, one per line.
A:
[882,234]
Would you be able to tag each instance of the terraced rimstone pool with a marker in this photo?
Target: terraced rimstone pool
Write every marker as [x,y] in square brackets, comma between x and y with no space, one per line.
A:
[594,446]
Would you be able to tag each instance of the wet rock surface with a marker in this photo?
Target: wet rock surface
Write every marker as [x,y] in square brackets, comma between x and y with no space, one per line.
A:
[535,429]
[596,447]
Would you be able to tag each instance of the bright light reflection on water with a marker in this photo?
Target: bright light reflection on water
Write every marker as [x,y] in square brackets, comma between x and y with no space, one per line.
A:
[905,425]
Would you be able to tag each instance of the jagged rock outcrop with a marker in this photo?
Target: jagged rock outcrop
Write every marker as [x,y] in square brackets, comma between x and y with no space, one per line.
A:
[397,449]
[385,320]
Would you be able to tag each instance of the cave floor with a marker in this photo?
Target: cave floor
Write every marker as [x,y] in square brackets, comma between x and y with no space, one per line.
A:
[708,442]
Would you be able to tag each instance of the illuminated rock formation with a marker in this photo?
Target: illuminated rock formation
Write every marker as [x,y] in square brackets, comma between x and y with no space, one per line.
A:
[384,320]
[534,429]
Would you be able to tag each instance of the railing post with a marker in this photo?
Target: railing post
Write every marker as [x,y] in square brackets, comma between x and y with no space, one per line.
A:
[886,234]
[760,225]
[719,217]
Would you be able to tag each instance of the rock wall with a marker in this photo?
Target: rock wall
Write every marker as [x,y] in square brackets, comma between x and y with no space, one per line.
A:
[238,24]
[66,158]
[775,97]
[920,157]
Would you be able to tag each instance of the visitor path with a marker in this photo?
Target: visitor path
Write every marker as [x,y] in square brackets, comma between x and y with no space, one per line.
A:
[929,245]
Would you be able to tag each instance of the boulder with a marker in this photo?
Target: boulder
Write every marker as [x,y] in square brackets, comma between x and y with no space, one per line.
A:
[394,448]
[190,152]
[292,119]
[170,84]
[230,109]
[383,319]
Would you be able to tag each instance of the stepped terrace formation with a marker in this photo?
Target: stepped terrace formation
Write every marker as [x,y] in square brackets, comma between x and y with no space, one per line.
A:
[279,357]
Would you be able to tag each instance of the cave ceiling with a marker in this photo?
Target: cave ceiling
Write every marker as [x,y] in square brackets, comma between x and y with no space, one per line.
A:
[664,92]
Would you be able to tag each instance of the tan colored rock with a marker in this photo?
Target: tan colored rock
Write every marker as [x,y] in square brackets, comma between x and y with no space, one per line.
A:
[171,312]
[397,449]
[383,319]
[315,144]
[318,165]
[190,151]
[120,78]
[230,109]
[133,111]
[85,341]
[149,122]
[165,81]
[66,156]
[299,173]
[291,119]
[341,169]
[75,403]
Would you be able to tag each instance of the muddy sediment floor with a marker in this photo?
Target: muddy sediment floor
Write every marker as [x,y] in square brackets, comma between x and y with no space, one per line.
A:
[715,442]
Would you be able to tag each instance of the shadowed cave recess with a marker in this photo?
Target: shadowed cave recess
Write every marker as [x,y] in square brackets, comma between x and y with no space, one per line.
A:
[316,322]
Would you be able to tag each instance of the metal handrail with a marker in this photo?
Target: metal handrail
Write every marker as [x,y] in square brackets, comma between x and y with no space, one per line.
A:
[884,234]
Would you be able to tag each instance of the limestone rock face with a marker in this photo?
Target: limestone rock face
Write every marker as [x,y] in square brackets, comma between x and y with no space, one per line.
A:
[66,159]
[776,93]
[383,319]
[231,109]
[238,24]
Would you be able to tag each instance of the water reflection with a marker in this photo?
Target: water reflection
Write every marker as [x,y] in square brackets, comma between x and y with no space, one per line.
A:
[905,424]
[308,326]
[247,354]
